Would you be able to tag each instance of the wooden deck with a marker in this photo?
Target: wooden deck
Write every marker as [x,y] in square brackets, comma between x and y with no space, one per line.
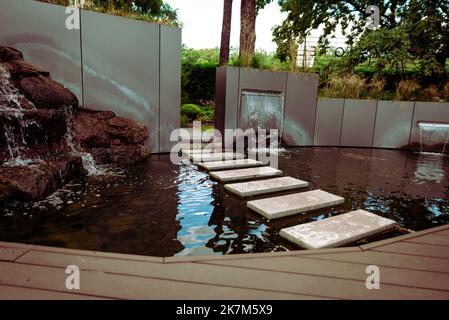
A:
[414,266]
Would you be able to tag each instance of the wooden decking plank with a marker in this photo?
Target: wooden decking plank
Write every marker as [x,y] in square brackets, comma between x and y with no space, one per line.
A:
[224,276]
[395,260]
[24,293]
[127,287]
[443,232]
[11,253]
[343,270]
[432,239]
[415,249]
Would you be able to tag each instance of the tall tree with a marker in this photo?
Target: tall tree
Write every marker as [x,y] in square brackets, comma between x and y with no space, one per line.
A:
[247,31]
[248,14]
[226,32]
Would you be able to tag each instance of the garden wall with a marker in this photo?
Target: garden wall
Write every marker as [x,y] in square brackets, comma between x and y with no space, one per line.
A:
[111,63]
[374,123]
[299,92]
[309,121]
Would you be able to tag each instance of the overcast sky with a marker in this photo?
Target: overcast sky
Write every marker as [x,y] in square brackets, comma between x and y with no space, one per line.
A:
[202,21]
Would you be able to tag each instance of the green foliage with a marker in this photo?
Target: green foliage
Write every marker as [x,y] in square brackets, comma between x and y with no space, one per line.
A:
[198,83]
[191,112]
[409,30]
[146,10]
[184,121]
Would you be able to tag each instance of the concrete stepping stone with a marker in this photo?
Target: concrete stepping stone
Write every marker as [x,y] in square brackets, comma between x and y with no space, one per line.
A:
[230,164]
[215,156]
[283,206]
[244,174]
[252,188]
[337,231]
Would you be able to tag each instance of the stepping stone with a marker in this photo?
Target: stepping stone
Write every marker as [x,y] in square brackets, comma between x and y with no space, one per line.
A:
[337,231]
[244,174]
[251,188]
[230,164]
[283,206]
[189,152]
[216,156]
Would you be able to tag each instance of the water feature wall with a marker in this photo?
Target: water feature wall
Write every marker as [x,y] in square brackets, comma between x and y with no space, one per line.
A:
[292,94]
[130,67]
[312,121]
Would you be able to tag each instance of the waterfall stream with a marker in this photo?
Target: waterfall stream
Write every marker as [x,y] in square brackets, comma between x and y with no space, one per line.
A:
[433,133]
[14,126]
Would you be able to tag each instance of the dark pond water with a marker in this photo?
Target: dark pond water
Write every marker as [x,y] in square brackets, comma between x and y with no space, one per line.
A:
[163,209]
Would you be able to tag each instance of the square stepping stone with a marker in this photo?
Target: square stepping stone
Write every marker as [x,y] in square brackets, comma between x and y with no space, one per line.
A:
[337,231]
[252,188]
[230,164]
[283,206]
[244,174]
[215,156]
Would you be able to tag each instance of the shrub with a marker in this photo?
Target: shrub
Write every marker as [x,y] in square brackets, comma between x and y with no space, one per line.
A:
[408,90]
[184,121]
[344,87]
[376,87]
[446,92]
[207,114]
[198,83]
[431,94]
[191,111]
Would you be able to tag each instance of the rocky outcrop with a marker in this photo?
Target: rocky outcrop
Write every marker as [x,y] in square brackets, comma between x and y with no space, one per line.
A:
[36,181]
[45,93]
[10,54]
[41,119]
[109,138]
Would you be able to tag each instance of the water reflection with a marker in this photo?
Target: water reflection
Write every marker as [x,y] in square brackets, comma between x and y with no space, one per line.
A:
[164,209]
[195,206]
[430,168]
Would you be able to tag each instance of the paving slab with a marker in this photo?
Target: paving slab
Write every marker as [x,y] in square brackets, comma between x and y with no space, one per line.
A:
[252,188]
[337,231]
[283,206]
[215,156]
[244,174]
[230,164]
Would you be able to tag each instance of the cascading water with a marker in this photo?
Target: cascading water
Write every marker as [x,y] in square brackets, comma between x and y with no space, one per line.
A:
[14,127]
[433,134]
[11,109]
[88,161]
[263,111]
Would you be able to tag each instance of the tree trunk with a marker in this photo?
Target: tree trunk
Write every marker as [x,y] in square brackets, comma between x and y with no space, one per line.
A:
[247,31]
[226,32]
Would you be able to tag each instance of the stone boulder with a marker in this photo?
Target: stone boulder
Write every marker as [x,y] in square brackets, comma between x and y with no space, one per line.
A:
[10,54]
[20,69]
[109,138]
[32,126]
[47,94]
[37,181]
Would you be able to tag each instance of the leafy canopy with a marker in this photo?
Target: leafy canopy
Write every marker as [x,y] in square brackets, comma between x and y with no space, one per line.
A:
[408,29]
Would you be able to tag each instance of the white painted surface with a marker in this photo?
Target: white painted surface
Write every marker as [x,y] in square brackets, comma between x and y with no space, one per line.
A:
[337,231]
[243,174]
[283,206]
[252,188]
[230,164]
[215,156]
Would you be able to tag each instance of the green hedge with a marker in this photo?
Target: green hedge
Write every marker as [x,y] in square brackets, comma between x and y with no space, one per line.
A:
[198,83]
